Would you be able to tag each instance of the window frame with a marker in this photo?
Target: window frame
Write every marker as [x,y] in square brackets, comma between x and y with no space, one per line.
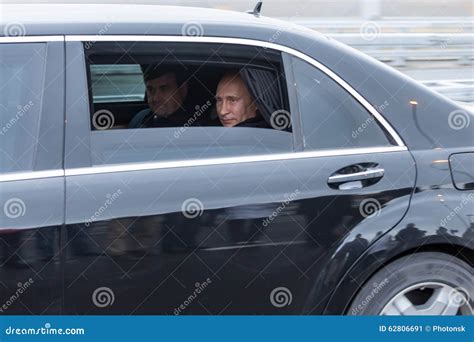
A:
[96,134]
[82,165]
[282,84]
[296,110]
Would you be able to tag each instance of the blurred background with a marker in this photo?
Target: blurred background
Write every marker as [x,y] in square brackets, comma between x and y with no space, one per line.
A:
[429,40]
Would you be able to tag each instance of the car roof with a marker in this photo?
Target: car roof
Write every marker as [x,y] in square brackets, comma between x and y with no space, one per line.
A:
[62,18]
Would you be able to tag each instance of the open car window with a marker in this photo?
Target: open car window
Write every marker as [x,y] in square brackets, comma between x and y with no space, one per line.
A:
[128,127]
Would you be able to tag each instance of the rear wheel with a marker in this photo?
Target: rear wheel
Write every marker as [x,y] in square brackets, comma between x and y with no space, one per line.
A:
[425,283]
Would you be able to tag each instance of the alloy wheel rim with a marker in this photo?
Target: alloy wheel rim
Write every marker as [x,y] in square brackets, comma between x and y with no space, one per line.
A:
[429,299]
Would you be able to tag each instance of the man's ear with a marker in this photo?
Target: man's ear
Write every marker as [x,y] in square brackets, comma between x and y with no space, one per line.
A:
[254,106]
[184,89]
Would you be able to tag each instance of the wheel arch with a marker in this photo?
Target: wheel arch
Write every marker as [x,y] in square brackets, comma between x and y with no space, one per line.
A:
[360,273]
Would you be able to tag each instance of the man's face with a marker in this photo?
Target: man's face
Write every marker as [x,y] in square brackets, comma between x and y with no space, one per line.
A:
[164,95]
[233,101]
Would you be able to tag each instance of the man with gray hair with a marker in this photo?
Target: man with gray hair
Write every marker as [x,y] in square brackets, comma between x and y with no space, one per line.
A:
[235,105]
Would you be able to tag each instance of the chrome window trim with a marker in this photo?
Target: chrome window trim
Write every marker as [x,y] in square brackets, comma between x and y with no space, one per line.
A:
[18,176]
[31,39]
[227,160]
[250,42]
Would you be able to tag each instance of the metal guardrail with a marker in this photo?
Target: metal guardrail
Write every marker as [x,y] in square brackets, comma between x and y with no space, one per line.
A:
[439,40]
[398,48]
[398,40]
[457,90]
[387,24]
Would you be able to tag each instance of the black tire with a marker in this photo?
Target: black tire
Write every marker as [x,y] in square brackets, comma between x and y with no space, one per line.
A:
[405,273]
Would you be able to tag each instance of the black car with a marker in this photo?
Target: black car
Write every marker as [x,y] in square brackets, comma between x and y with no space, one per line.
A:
[353,192]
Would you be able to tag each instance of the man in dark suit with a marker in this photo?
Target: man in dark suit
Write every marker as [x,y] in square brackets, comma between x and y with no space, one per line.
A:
[166,94]
[235,105]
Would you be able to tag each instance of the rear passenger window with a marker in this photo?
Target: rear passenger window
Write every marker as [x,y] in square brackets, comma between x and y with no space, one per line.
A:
[331,118]
[117,83]
[22,73]
[153,101]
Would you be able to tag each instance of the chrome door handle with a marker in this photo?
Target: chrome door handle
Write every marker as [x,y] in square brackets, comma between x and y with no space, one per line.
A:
[357,176]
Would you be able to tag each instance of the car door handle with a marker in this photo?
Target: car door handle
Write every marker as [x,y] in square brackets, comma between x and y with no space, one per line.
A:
[369,173]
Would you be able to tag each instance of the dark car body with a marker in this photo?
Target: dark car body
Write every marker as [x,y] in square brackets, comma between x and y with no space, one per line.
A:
[321,245]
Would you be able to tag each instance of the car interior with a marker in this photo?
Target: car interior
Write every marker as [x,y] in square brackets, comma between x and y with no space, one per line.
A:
[116,78]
